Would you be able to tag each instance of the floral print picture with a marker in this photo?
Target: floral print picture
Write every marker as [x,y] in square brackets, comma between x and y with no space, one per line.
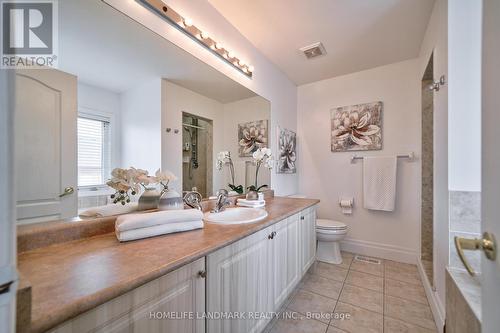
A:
[252,136]
[287,143]
[357,127]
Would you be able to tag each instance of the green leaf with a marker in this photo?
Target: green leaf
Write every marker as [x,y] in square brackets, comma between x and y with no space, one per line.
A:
[261,187]
[238,189]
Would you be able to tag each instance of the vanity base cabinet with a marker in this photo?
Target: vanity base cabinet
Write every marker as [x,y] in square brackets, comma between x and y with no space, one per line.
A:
[238,278]
[169,304]
[307,238]
[254,276]
[286,259]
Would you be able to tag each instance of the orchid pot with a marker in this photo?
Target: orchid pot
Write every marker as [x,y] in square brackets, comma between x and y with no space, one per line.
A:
[149,199]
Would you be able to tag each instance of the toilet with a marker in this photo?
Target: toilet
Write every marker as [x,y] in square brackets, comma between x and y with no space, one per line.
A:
[329,234]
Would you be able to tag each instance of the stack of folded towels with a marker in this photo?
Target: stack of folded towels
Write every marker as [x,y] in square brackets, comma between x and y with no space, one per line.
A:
[251,203]
[137,226]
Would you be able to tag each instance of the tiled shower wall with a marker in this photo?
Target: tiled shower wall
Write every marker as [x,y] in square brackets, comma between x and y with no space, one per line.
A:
[465,221]
[427,174]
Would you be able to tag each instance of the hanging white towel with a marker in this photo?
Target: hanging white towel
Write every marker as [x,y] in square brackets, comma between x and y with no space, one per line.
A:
[157,230]
[145,220]
[379,183]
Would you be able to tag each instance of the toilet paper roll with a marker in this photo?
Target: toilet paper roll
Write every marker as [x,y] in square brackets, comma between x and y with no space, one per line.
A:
[346,206]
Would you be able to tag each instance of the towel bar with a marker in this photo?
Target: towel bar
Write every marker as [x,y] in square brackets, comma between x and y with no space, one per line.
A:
[409,156]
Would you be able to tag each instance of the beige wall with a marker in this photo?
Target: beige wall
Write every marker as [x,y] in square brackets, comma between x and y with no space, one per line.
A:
[249,109]
[175,100]
[436,41]
[268,81]
[330,176]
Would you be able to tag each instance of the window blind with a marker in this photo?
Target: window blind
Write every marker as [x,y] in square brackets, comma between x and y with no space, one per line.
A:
[94,151]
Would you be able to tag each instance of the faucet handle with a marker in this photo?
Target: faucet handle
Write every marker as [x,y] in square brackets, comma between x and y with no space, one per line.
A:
[222,191]
[193,200]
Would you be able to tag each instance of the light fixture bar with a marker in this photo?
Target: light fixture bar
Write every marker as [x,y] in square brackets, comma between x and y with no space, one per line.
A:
[186,25]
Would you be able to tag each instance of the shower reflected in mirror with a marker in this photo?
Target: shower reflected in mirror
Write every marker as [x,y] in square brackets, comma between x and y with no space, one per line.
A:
[196,154]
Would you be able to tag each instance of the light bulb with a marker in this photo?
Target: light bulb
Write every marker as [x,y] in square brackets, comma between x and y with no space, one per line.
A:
[205,35]
[218,45]
[251,68]
[231,54]
[187,22]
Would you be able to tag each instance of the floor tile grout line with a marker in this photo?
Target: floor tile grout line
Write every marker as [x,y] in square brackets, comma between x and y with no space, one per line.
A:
[315,293]
[406,322]
[341,290]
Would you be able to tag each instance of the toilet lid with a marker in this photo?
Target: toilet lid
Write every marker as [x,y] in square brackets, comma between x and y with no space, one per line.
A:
[330,224]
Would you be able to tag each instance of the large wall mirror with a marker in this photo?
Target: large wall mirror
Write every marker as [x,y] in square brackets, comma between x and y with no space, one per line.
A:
[125,97]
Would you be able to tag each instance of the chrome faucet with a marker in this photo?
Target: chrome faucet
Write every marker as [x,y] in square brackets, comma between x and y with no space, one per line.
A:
[222,201]
[193,200]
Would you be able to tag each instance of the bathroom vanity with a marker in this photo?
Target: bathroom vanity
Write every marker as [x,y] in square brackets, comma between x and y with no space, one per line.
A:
[177,282]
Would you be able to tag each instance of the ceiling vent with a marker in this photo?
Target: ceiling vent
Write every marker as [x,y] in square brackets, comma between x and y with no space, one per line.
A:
[313,50]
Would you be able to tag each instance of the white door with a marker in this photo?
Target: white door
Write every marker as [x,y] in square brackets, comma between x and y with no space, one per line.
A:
[8,274]
[45,145]
[491,161]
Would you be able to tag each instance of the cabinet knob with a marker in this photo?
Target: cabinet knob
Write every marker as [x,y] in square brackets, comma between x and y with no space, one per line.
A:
[302,217]
[271,235]
[202,274]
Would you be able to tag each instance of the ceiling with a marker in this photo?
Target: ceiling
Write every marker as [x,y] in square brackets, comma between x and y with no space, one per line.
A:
[105,48]
[357,34]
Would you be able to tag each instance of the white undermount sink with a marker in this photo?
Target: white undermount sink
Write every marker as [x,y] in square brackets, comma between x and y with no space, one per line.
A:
[236,215]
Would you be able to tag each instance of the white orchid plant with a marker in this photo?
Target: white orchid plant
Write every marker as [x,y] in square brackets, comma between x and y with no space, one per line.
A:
[224,158]
[164,178]
[262,156]
[128,182]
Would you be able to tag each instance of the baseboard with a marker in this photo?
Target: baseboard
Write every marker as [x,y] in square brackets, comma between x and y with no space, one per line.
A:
[380,250]
[437,308]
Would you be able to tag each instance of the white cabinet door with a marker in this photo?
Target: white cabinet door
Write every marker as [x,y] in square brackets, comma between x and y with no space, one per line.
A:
[239,282]
[286,258]
[45,144]
[307,229]
[170,304]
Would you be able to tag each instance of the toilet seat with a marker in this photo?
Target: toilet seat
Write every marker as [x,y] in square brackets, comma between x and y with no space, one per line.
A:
[323,224]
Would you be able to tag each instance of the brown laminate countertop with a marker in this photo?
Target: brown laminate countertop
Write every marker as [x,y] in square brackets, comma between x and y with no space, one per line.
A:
[70,278]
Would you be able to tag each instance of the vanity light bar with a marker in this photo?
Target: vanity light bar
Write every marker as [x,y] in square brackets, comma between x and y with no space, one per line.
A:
[186,25]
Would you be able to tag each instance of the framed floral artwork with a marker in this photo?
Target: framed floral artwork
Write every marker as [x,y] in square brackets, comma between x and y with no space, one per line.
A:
[287,151]
[357,127]
[252,136]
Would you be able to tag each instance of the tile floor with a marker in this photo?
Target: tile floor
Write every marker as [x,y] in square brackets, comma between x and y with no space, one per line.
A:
[378,298]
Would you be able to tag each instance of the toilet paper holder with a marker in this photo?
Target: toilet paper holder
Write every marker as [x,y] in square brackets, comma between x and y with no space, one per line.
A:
[346,202]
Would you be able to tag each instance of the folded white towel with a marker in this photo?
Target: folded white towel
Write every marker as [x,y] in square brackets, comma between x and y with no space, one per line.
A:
[251,202]
[157,230]
[379,183]
[144,220]
[109,210]
[250,206]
